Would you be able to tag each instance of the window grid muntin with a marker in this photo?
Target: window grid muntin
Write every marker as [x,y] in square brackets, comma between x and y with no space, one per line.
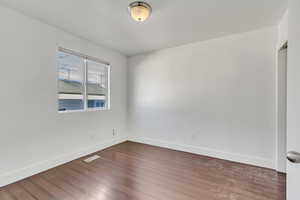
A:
[85,79]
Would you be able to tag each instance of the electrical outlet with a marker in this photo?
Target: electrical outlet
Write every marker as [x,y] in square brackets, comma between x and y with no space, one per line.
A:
[114,132]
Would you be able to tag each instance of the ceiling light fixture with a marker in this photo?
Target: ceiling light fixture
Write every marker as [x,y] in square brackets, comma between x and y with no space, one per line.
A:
[139,10]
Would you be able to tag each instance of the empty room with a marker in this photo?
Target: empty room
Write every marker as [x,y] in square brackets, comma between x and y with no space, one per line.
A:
[149,100]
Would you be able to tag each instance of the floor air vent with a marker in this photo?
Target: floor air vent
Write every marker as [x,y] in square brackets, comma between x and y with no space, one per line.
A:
[91,159]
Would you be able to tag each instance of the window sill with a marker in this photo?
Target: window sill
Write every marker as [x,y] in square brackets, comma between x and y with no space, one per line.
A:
[87,110]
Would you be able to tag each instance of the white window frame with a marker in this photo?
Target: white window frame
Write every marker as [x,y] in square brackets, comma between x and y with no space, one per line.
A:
[84,82]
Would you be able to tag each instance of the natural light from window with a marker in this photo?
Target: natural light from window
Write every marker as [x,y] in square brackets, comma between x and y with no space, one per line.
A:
[83,82]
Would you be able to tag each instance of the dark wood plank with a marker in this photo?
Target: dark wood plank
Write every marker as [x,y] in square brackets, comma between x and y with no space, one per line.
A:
[60,181]
[133,171]
[35,190]
[5,195]
[19,193]
[55,191]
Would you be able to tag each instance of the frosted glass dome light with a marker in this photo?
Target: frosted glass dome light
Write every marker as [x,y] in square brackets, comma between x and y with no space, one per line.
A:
[139,10]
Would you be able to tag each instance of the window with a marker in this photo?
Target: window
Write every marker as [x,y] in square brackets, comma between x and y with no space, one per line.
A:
[83,82]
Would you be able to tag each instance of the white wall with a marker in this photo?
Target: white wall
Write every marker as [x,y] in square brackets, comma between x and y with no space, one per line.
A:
[293,98]
[283,29]
[33,135]
[281,110]
[281,70]
[215,97]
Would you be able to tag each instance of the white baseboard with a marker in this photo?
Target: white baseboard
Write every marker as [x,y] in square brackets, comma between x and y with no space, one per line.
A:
[19,174]
[256,161]
[16,175]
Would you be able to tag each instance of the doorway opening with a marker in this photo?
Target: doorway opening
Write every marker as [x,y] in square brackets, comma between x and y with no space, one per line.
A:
[281,107]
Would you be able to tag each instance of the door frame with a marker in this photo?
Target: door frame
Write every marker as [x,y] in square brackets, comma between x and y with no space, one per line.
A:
[282,46]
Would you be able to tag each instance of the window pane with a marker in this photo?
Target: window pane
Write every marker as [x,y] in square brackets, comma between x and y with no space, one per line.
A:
[97,85]
[70,82]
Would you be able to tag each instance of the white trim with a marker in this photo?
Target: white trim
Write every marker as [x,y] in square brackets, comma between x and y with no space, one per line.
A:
[108,87]
[256,161]
[277,160]
[80,96]
[96,97]
[87,110]
[85,96]
[70,96]
[75,53]
[85,78]
[19,174]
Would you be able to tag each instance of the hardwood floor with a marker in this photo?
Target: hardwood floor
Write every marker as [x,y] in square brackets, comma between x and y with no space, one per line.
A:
[133,171]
